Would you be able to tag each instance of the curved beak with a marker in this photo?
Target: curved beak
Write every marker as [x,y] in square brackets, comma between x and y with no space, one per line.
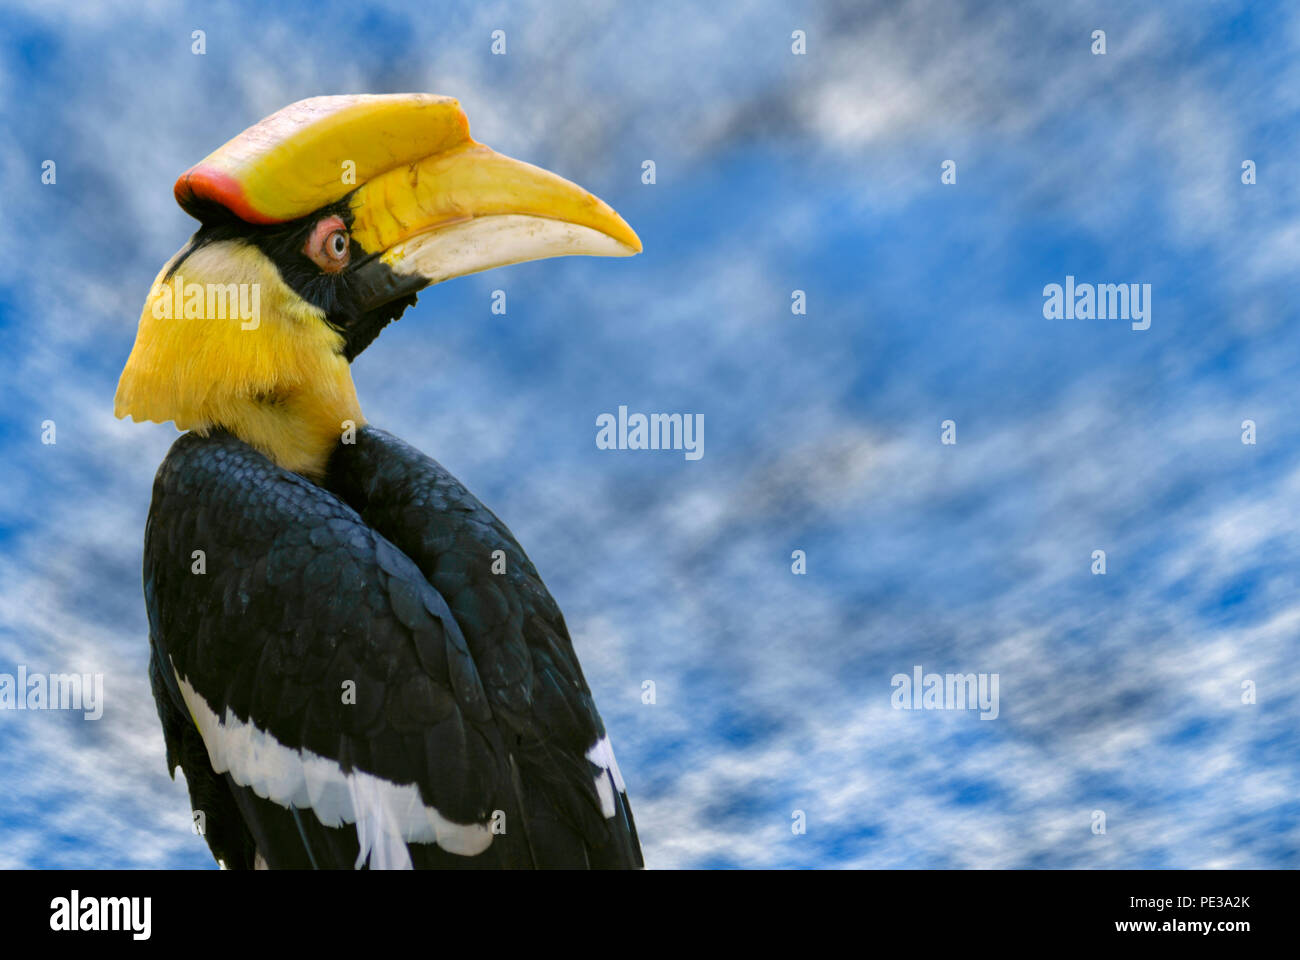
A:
[467,209]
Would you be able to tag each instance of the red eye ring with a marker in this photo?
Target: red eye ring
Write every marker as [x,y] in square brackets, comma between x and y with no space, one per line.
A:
[328,245]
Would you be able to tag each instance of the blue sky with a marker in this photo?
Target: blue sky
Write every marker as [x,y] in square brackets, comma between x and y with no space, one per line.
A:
[775,172]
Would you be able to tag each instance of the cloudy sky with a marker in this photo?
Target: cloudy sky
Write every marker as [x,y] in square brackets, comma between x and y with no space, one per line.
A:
[1121,693]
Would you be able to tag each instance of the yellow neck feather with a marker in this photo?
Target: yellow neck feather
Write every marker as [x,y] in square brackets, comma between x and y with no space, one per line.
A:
[230,345]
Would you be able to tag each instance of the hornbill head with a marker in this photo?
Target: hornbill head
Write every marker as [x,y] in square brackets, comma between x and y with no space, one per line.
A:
[319,226]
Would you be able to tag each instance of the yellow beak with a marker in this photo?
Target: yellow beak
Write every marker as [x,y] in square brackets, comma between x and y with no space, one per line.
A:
[431,203]
[470,208]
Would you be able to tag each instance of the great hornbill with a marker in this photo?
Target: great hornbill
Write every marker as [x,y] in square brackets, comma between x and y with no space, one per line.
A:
[354,662]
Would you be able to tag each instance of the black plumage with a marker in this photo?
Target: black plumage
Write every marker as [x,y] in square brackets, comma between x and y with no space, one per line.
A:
[466,683]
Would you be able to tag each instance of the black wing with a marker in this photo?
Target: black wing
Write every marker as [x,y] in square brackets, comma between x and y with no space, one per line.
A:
[317,690]
[517,637]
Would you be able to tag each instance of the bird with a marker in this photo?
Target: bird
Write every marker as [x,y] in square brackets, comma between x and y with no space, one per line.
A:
[354,662]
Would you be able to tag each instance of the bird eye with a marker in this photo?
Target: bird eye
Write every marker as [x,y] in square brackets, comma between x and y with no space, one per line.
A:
[328,246]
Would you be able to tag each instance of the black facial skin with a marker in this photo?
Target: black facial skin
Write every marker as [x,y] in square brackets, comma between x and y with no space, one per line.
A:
[358,301]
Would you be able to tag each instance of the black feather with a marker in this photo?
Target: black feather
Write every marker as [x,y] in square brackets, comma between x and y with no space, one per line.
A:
[465,681]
